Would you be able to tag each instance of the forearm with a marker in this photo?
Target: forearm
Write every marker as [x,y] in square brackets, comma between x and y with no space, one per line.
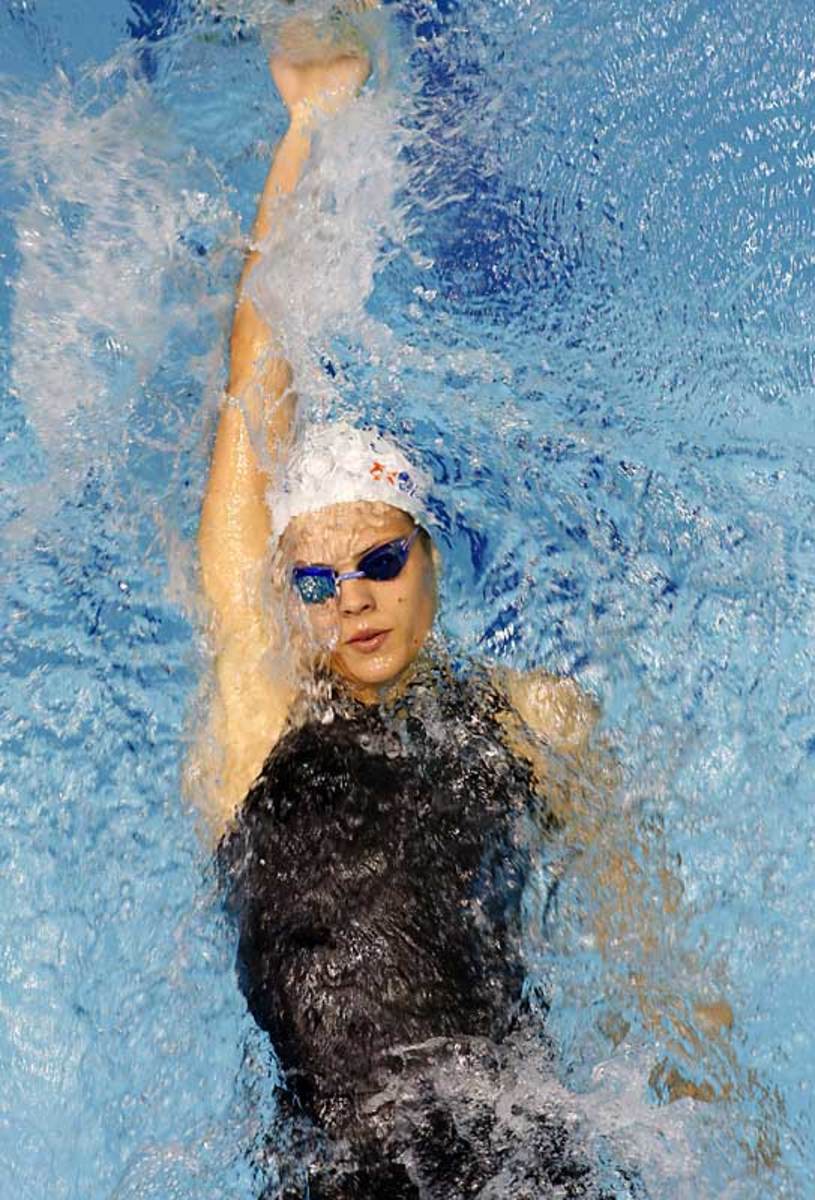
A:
[637,916]
[259,375]
[284,174]
[260,378]
[235,523]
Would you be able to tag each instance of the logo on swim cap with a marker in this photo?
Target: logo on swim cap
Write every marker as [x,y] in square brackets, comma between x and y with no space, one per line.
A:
[379,471]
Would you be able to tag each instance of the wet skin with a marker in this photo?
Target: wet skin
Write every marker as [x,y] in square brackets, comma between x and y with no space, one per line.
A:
[373,629]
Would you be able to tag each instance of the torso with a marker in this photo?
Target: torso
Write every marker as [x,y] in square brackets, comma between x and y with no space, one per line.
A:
[377,868]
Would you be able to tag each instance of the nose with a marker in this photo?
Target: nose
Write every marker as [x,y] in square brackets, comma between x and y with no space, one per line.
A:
[356,596]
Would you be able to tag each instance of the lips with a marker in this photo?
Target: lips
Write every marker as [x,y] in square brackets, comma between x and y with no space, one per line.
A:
[368,640]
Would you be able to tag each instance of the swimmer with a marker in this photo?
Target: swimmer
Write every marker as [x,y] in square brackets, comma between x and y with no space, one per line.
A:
[242,517]
[374,860]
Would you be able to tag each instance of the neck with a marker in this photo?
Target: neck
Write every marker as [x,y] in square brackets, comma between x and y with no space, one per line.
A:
[384,693]
[392,689]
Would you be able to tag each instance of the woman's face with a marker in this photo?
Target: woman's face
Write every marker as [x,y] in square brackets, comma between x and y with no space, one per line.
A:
[373,629]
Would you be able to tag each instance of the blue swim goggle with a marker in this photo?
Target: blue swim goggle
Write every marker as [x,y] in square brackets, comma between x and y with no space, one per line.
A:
[317,583]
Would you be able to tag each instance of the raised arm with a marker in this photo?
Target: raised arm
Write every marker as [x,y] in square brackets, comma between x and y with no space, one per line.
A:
[251,703]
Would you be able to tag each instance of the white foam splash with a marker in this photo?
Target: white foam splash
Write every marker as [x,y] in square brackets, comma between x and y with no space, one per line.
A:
[320,261]
[657,1141]
[92,239]
[99,232]
[269,15]
[515,1084]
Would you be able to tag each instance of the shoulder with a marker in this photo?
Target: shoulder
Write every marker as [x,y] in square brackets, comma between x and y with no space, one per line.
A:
[552,706]
[549,721]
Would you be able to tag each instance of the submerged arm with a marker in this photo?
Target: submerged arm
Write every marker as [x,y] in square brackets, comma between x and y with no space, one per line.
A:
[631,902]
[637,905]
[253,427]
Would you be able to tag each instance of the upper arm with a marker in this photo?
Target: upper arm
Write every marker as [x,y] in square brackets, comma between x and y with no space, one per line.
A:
[251,697]
[248,712]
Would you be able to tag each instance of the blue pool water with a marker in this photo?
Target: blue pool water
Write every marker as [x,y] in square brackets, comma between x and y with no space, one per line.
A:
[578,276]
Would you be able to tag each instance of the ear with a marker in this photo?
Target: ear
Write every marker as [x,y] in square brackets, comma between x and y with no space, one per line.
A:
[435,563]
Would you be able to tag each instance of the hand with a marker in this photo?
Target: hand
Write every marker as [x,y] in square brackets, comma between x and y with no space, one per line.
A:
[319,69]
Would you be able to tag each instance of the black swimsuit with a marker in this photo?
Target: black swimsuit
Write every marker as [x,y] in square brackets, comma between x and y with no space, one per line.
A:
[376,870]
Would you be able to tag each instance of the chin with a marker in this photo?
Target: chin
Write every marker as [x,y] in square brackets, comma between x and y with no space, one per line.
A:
[374,672]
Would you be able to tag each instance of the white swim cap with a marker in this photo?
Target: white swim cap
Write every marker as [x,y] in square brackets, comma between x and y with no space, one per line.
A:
[337,463]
